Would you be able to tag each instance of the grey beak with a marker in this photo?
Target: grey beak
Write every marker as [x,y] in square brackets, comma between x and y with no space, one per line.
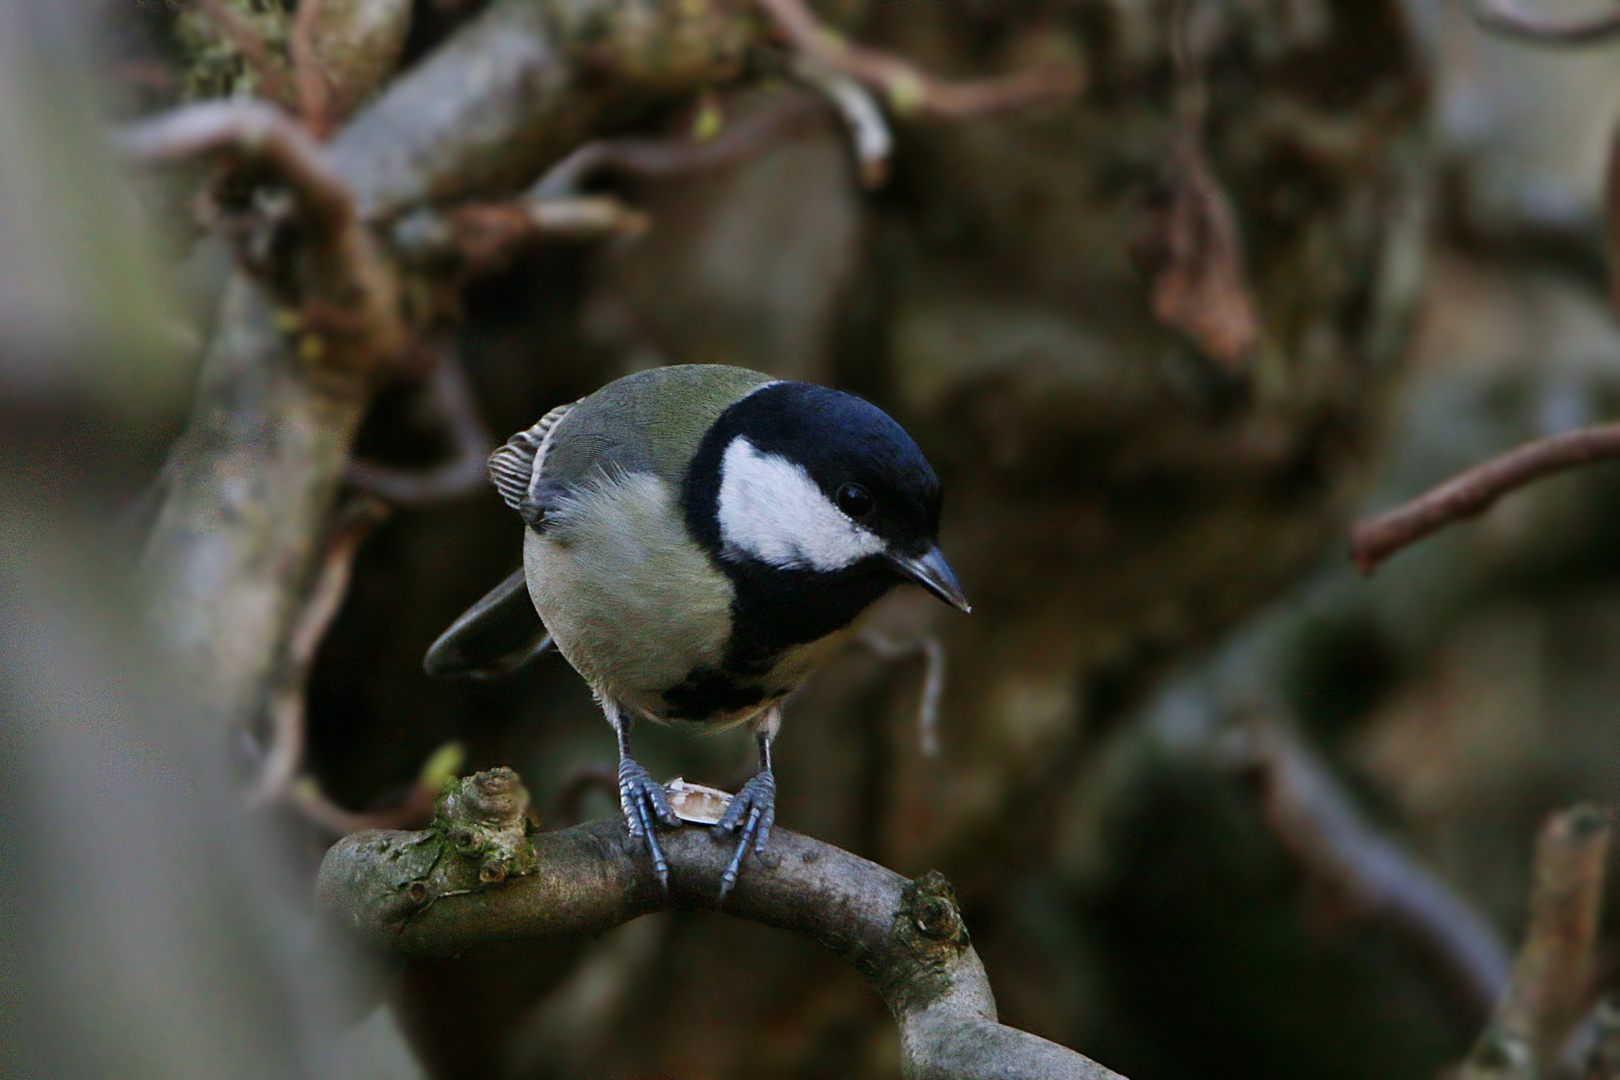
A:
[932,572]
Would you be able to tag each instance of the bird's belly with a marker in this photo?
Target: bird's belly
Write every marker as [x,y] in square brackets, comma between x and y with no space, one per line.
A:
[632,603]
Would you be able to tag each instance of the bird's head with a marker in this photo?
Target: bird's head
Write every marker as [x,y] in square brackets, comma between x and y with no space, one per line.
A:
[798,477]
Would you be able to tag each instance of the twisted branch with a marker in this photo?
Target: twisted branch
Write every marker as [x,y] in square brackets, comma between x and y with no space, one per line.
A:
[1472,493]
[483,877]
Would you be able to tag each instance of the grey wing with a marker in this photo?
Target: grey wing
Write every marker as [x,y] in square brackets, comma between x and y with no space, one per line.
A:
[495,636]
[515,469]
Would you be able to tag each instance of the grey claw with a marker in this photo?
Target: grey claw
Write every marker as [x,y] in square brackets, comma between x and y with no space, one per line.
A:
[642,801]
[758,800]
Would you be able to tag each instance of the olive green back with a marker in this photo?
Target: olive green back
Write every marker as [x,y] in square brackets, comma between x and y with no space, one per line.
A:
[649,422]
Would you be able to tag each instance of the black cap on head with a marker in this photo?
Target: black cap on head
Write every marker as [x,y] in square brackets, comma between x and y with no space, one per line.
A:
[857,455]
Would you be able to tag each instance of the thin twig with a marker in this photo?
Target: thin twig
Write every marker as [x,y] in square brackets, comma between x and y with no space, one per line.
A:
[464,474]
[314,91]
[1549,990]
[910,90]
[1194,248]
[932,651]
[1499,17]
[667,157]
[868,131]
[1367,876]
[287,701]
[484,238]
[415,811]
[272,79]
[1473,492]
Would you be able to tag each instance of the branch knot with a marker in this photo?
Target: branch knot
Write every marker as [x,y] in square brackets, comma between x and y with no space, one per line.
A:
[485,824]
[929,936]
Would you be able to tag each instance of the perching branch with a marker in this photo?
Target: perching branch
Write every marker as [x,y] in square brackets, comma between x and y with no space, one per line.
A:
[1366,876]
[1473,492]
[484,877]
[1550,987]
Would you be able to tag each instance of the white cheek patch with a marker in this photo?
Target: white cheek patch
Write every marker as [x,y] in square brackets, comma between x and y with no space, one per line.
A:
[771,510]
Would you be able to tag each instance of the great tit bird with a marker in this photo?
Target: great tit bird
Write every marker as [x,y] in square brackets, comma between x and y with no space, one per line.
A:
[698,539]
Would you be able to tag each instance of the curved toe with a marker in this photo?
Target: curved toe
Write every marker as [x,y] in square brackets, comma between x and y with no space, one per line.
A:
[644,804]
[754,809]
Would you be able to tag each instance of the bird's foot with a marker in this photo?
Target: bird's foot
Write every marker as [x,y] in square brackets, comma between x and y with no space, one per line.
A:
[754,810]
[644,804]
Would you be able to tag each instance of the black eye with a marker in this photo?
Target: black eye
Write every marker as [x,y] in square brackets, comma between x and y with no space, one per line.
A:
[855,500]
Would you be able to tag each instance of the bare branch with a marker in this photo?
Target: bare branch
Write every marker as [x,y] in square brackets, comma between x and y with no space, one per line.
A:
[1549,989]
[286,705]
[463,475]
[484,877]
[868,131]
[314,92]
[670,157]
[910,90]
[483,238]
[1366,875]
[1500,17]
[1473,492]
